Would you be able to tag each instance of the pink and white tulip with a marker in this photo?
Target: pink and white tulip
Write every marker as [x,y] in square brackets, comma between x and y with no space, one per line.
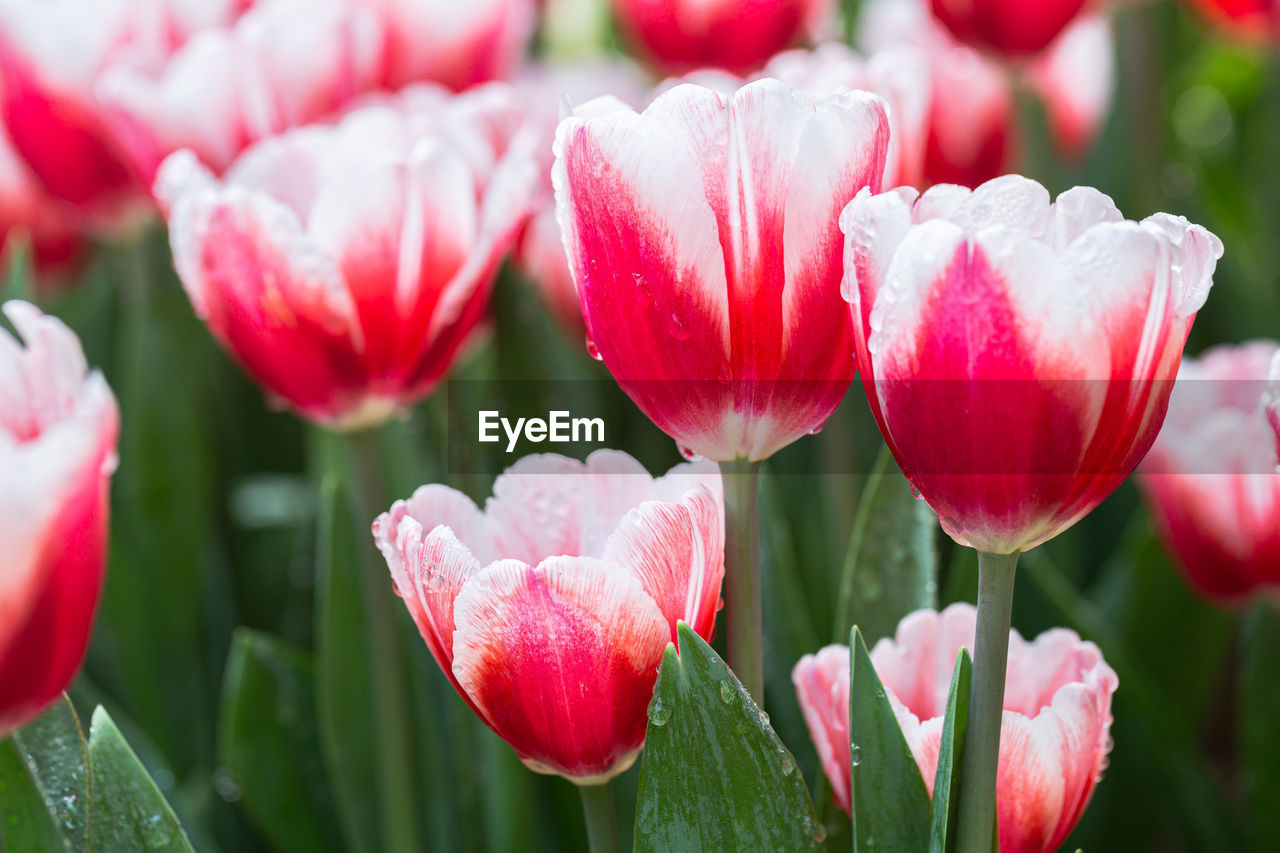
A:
[1054,736]
[1018,355]
[1014,28]
[702,238]
[345,265]
[549,610]
[28,214]
[1210,478]
[680,35]
[58,429]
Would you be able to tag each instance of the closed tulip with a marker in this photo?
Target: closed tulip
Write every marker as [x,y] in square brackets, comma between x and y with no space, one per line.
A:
[1210,478]
[345,265]
[58,428]
[1011,27]
[681,35]
[1056,719]
[549,610]
[702,238]
[1018,355]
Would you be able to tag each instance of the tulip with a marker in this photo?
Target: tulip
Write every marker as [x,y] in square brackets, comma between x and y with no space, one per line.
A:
[345,265]
[549,610]
[701,237]
[1012,27]
[1056,717]
[973,134]
[1210,478]
[58,428]
[681,35]
[28,215]
[1018,358]
[52,53]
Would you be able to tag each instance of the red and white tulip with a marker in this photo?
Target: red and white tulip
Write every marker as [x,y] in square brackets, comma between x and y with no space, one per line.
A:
[1018,355]
[1210,478]
[1054,735]
[58,430]
[702,238]
[345,265]
[549,610]
[1011,27]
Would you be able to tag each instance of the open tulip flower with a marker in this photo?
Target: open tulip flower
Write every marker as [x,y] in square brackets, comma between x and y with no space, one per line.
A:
[344,266]
[1210,478]
[1018,355]
[681,35]
[550,610]
[1011,27]
[702,238]
[1057,717]
[58,428]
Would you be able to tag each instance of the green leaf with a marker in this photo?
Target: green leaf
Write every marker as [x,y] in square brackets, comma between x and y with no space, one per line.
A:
[1260,709]
[25,823]
[56,753]
[946,784]
[128,811]
[343,683]
[269,742]
[891,566]
[890,801]
[715,776]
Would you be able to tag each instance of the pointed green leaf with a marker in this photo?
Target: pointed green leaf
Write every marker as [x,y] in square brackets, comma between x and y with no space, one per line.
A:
[715,776]
[269,742]
[128,811]
[25,823]
[890,801]
[891,565]
[57,756]
[946,784]
[343,683]
[1260,709]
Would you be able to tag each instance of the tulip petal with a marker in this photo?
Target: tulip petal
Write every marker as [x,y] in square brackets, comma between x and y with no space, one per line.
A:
[560,660]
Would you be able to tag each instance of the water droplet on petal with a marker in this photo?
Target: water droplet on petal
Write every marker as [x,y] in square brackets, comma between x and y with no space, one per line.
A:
[855,754]
[819,428]
[689,454]
[593,351]
[436,583]
[915,493]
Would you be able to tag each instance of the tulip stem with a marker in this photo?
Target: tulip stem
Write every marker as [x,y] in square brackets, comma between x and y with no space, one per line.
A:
[397,793]
[742,574]
[602,823]
[977,812]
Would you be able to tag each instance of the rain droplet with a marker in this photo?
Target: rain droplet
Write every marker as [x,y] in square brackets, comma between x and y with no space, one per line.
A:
[689,454]
[855,754]
[915,493]
[819,428]
[678,328]
[658,712]
[436,582]
[764,718]
[727,694]
[820,833]
[788,765]
[593,351]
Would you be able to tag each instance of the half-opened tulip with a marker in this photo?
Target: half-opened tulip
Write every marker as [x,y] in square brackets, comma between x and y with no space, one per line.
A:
[1210,478]
[1018,355]
[702,238]
[1012,27]
[58,426]
[345,265]
[1056,720]
[681,35]
[28,214]
[550,609]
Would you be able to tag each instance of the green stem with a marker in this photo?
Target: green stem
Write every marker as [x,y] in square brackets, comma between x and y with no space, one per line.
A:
[977,813]
[602,823]
[386,662]
[742,574]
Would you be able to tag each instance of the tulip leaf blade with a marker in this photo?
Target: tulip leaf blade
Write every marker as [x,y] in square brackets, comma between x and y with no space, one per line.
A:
[128,810]
[269,742]
[343,682]
[1260,708]
[946,785]
[25,821]
[748,797]
[56,754]
[891,564]
[890,801]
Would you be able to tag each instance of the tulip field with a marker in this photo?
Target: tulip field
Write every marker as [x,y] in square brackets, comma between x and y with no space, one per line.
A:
[654,425]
